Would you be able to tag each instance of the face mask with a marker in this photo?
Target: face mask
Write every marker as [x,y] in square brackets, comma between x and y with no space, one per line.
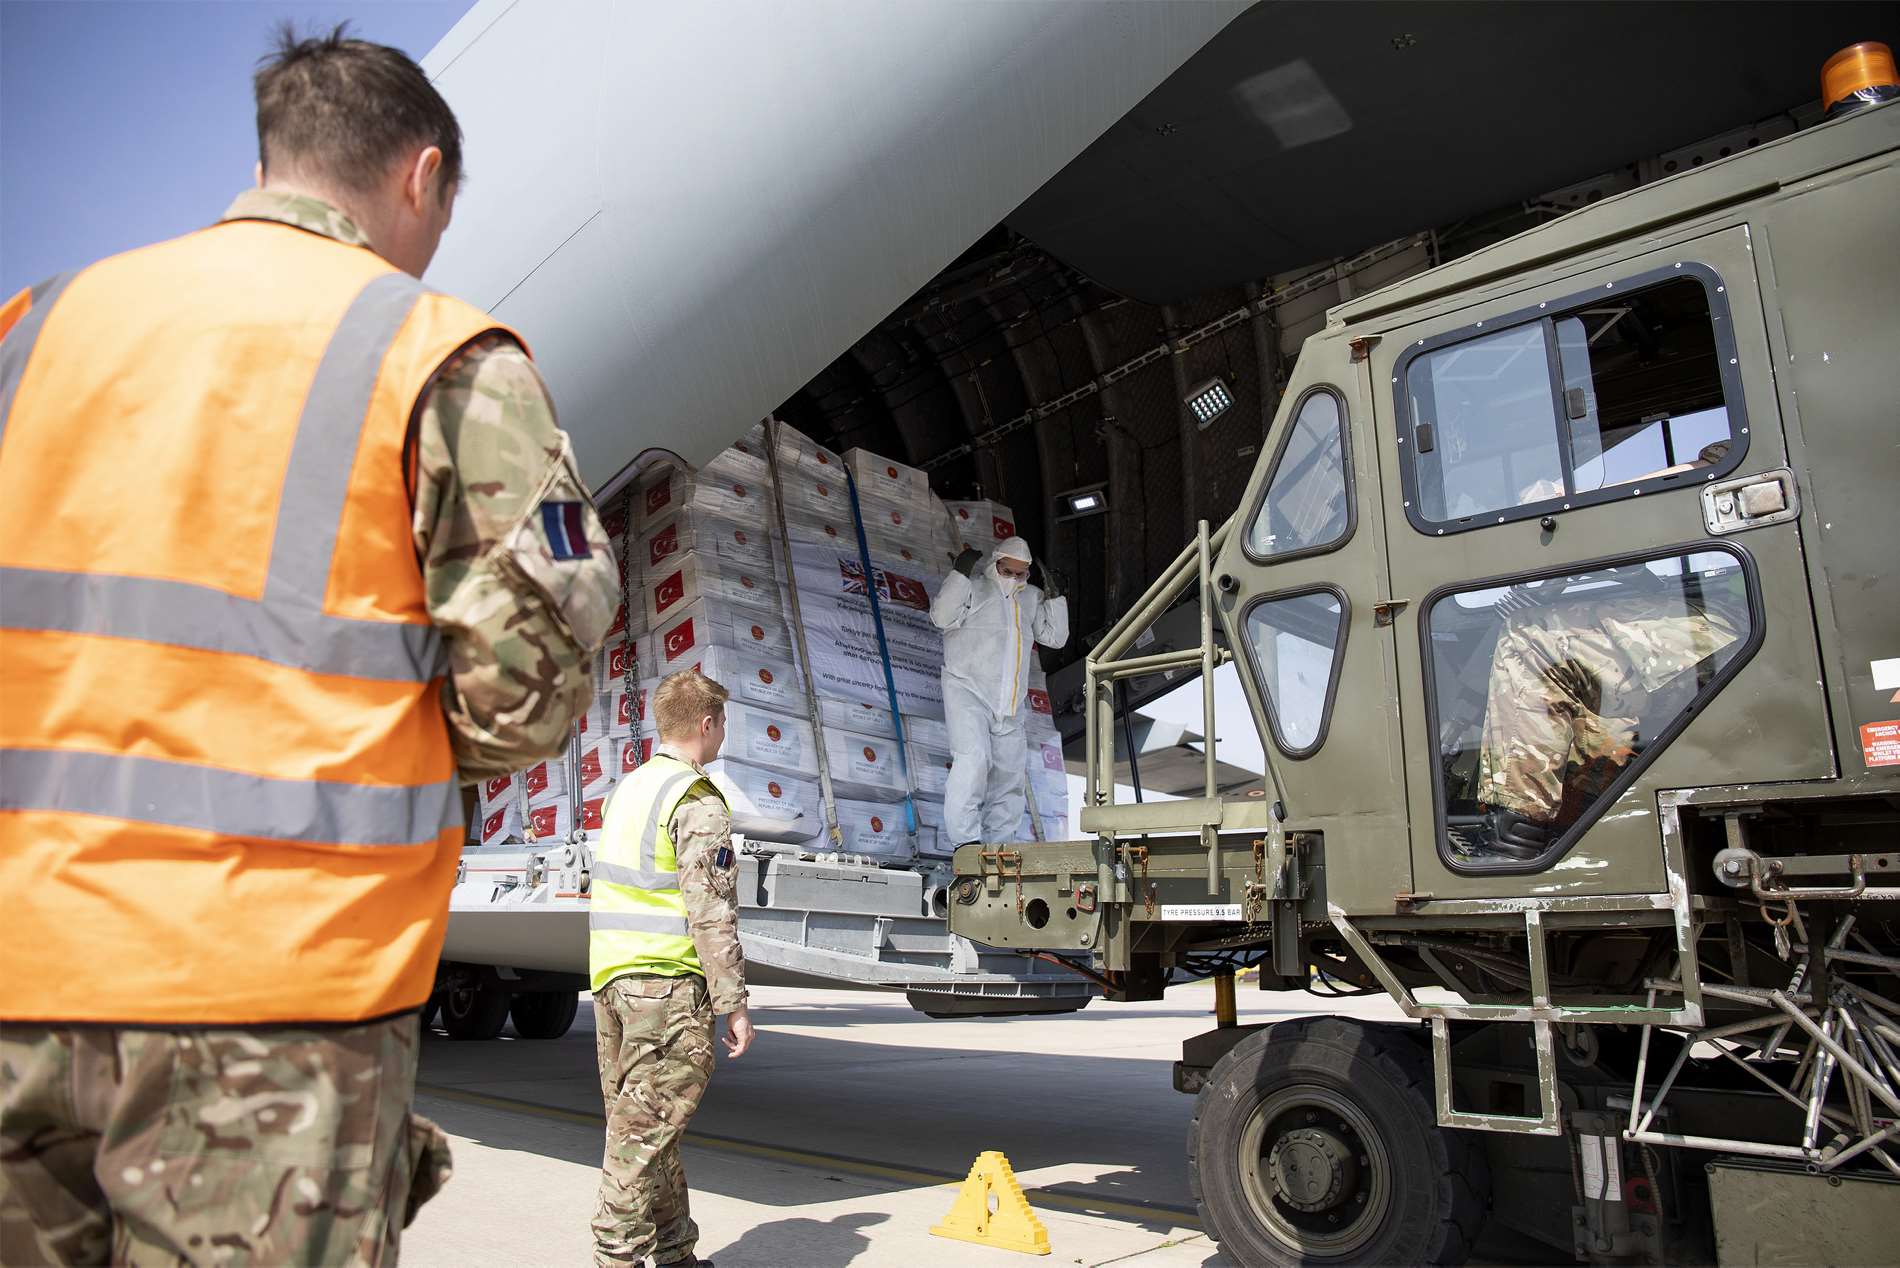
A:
[1012,585]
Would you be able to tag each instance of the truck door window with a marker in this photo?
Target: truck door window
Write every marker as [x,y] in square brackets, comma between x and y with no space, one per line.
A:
[1307,505]
[1549,695]
[1630,390]
[1295,641]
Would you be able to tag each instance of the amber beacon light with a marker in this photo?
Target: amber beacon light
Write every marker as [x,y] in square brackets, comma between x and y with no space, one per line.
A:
[1859,75]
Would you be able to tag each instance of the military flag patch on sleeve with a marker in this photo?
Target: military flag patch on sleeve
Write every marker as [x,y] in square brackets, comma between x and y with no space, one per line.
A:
[566,529]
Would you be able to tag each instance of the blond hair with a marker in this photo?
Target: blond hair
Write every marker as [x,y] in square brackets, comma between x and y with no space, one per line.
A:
[682,699]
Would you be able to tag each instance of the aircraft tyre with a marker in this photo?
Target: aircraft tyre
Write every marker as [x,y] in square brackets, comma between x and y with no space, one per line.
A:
[1315,1142]
[474,1012]
[544,1014]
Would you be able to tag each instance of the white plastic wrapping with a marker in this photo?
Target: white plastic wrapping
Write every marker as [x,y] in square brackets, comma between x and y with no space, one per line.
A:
[693,530]
[757,790]
[863,766]
[683,641]
[760,737]
[874,828]
[692,577]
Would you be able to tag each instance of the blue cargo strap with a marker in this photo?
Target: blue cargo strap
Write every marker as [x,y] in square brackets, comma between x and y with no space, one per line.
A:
[883,649]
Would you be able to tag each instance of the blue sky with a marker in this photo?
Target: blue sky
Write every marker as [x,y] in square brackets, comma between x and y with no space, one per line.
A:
[125,123]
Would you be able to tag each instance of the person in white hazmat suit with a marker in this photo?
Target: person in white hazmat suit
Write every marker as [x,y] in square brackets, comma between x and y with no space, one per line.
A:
[991,618]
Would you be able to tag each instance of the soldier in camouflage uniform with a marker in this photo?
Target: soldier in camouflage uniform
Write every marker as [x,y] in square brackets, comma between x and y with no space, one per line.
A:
[1572,688]
[276,1144]
[657,987]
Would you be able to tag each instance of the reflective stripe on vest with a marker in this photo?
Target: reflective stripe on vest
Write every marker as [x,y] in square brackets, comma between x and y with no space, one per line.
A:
[637,918]
[287,626]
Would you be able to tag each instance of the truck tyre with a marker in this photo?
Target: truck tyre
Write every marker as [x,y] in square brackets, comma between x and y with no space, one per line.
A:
[544,1014]
[1315,1142]
[474,1012]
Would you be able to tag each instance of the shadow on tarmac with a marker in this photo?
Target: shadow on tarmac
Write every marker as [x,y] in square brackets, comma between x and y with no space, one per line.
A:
[921,1110]
[833,1241]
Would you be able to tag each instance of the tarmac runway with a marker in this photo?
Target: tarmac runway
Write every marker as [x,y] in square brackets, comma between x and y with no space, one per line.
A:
[843,1135]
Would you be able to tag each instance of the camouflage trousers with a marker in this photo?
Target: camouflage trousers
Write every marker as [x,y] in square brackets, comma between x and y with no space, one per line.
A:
[655,1039]
[267,1145]
[1569,705]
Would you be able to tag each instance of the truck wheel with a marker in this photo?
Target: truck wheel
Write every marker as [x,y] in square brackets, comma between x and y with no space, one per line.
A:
[474,1012]
[1315,1142]
[544,1014]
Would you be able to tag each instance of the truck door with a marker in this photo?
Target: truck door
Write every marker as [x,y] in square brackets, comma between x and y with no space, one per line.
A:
[1592,525]
[1301,581]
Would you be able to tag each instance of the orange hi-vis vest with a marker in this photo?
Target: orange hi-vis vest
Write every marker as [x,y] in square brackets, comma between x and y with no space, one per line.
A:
[227,794]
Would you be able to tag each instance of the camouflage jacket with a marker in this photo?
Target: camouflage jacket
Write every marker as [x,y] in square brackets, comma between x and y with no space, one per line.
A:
[701,829]
[520,625]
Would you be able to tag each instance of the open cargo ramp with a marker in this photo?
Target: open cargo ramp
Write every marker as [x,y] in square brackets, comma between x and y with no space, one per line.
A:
[803,922]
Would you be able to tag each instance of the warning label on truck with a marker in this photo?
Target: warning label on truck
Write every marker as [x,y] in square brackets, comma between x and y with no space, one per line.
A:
[1880,743]
[1200,911]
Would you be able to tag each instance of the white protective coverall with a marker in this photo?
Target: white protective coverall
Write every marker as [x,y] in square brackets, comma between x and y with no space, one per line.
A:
[990,626]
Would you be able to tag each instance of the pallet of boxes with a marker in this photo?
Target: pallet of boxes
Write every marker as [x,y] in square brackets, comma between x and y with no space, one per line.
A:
[752,569]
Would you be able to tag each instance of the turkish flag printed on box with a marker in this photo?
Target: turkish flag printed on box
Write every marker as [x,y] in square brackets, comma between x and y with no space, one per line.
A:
[1039,702]
[551,822]
[540,777]
[496,788]
[621,658]
[679,641]
[497,825]
[635,753]
[671,590]
[619,628]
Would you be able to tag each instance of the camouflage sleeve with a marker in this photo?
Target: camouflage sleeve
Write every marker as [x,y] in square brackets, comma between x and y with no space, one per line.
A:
[518,570]
[709,882]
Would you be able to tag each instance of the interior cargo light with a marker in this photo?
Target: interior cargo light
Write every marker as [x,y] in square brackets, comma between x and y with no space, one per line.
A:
[1077,503]
[1859,75]
[1209,401]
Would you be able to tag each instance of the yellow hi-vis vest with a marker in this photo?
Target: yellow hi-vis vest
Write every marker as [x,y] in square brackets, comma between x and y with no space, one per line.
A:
[637,918]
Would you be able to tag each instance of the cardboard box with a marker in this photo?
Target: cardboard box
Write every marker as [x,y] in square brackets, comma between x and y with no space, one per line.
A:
[682,642]
[739,464]
[981,524]
[613,663]
[753,678]
[929,769]
[878,476]
[926,732]
[634,752]
[863,766]
[691,577]
[495,791]
[553,821]
[756,790]
[544,781]
[741,500]
[875,828]
[614,713]
[690,530]
[797,451]
[496,826]
[776,741]
[600,766]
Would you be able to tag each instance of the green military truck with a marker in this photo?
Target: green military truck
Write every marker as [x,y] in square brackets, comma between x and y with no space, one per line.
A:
[1565,601]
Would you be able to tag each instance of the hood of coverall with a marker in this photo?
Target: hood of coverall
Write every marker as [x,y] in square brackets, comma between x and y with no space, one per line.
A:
[1012,548]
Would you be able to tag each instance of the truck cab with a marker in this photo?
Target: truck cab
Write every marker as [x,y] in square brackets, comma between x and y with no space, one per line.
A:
[1560,600]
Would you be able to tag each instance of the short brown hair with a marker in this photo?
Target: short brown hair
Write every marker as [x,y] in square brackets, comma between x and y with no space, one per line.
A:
[346,110]
[682,699]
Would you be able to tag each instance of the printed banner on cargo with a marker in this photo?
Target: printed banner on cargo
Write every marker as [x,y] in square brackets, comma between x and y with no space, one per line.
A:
[842,636]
